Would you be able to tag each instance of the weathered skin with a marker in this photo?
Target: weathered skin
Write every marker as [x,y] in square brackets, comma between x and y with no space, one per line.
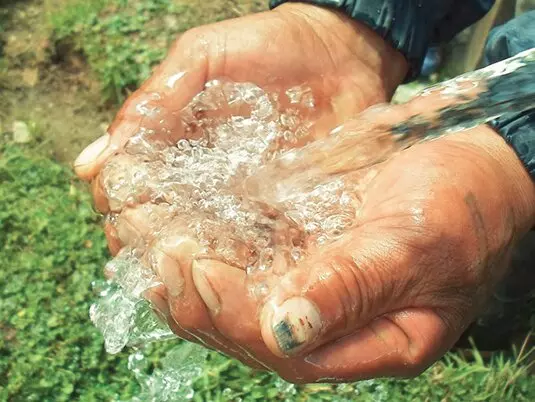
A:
[434,235]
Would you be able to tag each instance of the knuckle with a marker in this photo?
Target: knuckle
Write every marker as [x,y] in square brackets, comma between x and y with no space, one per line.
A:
[193,42]
[349,286]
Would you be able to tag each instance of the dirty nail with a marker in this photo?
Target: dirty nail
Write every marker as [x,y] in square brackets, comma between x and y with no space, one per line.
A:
[198,271]
[296,324]
[92,151]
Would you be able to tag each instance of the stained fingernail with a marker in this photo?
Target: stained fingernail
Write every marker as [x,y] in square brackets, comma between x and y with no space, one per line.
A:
[198,271]
[295,324]
[169,272]
[92,151]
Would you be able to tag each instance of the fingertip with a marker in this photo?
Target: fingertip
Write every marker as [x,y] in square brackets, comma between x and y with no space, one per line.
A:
[87,165]
[290,327]
[234,311]
[199,271]
[99,197]
[112,237]
[266,329]
[168,270]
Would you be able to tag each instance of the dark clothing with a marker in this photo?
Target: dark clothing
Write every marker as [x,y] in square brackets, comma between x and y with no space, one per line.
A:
[411,26]
[505,41]
[513,303]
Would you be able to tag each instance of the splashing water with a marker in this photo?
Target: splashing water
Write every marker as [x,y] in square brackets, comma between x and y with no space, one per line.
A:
[382,131]
[238,182]
[173,382]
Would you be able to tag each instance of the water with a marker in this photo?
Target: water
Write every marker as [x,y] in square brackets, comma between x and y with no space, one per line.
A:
[382,131]
[238,183]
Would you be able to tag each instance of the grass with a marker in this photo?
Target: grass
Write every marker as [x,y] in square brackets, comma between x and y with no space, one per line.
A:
[123,40]
[53,249]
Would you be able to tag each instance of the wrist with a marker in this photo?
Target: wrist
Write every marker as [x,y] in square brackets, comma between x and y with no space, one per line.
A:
[334,28]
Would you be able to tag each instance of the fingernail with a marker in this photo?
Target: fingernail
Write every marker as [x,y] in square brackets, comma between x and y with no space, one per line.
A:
[182,245]
[296,324]
[169,272]
[198,271]
[92,151]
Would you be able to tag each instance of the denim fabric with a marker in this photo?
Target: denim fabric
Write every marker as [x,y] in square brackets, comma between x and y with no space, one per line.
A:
[411,26]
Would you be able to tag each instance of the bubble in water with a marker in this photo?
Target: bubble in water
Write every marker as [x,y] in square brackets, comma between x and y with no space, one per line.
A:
[214,186]
[120,312]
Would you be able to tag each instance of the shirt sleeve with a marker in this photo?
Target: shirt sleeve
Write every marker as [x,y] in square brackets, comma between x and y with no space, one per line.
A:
[410,26]
[518,129]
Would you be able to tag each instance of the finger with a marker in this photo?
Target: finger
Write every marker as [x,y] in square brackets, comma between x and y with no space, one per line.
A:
[137,226]
[223,290]
[234,313]
[334,293]
[402,344]
[112,238]
[124,181]
[171,258]
[99,196]
[153,107]
[157,297]
[88,163]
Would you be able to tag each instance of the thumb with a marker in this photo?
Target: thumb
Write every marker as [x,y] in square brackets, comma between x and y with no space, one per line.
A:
[337,291]
[153,109]
[400,344]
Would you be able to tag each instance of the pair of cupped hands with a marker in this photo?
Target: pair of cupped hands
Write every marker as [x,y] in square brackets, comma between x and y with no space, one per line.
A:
[434,235]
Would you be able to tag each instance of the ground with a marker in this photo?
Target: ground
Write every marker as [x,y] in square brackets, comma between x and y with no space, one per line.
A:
[64,69]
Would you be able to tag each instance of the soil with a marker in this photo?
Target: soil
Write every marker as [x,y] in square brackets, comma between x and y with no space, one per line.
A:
[48,88]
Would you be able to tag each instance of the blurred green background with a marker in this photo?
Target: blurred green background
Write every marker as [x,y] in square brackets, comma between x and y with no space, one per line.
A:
[65,67]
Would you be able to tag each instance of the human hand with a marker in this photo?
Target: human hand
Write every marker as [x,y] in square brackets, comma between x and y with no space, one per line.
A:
[432,239]
[347,66]
[376,300]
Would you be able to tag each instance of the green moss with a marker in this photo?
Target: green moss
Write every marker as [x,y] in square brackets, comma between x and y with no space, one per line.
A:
[51,250]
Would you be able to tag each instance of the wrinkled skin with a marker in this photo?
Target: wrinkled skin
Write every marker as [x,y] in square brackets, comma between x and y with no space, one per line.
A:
[433,237]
